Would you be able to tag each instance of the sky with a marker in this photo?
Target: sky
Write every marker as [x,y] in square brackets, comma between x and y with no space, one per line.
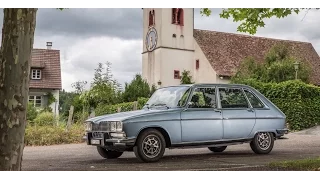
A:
[86,37]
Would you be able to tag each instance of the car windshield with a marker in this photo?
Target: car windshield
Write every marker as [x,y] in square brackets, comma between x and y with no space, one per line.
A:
[169,97]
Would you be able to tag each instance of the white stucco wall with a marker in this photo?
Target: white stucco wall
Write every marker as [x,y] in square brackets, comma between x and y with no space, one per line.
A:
[168,29]
[174,53]
[174,60]
[151,66]
[171,53]
[205,73]
[43,92]
[55,105]
[165,29]
[157,25]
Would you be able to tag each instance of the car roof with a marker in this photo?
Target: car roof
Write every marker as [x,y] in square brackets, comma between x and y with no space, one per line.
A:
[210,84]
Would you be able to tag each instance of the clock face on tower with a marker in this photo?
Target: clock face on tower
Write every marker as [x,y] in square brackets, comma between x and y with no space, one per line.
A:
[151,39]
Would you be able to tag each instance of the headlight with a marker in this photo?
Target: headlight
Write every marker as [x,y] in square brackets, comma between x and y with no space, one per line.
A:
[119,126]
[113,126]
[88,126]
[116,126]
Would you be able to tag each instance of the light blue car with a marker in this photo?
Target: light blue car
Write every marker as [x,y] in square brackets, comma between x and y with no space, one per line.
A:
[210,115]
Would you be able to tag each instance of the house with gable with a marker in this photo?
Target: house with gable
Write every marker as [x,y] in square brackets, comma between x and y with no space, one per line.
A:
[172,45]
[45,78]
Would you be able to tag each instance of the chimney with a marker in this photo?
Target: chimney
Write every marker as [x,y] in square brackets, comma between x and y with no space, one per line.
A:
[49,45]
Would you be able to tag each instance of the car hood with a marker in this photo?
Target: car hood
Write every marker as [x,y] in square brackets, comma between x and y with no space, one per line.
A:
[125,115]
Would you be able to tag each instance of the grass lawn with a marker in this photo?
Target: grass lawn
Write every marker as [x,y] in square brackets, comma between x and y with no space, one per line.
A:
[310,164]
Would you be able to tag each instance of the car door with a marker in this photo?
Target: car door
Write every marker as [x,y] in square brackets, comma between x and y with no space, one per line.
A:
[263,112]
[201,121]
[238,116]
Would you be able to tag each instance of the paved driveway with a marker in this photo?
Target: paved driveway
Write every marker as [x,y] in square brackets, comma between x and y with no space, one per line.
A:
[237,157]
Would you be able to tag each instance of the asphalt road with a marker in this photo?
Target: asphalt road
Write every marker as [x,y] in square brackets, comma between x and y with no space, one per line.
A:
[81,157]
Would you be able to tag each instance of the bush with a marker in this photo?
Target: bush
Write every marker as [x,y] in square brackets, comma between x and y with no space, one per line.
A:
[31,113]
[80,116]
[278,66]
[45,119]
[50,135]
[299,101]
[292,89]
[110,109]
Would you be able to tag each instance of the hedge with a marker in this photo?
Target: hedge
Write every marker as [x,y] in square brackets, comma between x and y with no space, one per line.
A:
[50,135]
[299,101]
[103,109]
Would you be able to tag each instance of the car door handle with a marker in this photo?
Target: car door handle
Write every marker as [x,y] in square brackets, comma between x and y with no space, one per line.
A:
[250,110]
[217,110]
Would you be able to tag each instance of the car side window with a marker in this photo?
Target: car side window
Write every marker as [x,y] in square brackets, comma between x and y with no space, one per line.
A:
[184,98]
[203,98]
[232,98]
[254,101]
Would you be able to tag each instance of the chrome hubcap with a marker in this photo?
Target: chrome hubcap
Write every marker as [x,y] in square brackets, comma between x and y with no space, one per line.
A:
[151,146]
[264,140]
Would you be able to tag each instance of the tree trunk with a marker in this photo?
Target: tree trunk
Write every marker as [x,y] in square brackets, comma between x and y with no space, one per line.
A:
[15,57]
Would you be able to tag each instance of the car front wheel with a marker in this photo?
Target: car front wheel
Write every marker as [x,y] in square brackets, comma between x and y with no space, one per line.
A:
[150,146]
[108,154]
[262,143]
[217,149]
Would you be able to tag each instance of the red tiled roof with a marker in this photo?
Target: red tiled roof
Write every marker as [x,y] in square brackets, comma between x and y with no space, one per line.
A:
[225,51]
[49,62]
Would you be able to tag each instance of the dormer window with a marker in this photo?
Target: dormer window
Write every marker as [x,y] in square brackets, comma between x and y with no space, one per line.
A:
[35,74]
[151,18]
[177,16]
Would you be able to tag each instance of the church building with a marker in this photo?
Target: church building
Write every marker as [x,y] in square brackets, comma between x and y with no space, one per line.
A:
[172,45]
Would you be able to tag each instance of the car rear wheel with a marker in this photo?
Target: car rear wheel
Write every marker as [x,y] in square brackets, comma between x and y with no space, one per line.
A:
[150,146]
[217,149]
[108,154]
[262,143]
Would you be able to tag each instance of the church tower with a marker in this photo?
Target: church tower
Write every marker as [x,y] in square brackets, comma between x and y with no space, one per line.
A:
[168,45]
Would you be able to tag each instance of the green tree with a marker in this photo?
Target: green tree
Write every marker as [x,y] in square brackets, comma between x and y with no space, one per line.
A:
[278,66]
[253,18]
[79,86]
[15,56]
[186,78]
[104,89]
[137,88]
[66,99]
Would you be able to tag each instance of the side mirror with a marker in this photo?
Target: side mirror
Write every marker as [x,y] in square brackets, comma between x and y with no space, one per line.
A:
[190,104]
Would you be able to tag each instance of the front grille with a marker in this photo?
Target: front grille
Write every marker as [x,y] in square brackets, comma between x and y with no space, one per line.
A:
[97,135]
[102,126]
[105,126]
[95,127]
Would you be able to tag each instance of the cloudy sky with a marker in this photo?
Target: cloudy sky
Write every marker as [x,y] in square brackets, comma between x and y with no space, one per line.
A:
[86,37]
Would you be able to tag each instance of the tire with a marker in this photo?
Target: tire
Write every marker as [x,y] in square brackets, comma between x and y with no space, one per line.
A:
[217,149]
[108,154]
[265,146]
[153,154]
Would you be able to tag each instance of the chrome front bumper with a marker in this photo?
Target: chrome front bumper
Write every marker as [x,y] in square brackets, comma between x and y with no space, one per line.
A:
[109,142]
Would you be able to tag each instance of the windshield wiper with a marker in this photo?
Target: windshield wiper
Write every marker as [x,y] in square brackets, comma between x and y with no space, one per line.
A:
[161,104]
[147,105]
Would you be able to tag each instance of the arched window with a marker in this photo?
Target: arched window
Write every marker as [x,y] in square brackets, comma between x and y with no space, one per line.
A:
[151,18]
[177,16]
